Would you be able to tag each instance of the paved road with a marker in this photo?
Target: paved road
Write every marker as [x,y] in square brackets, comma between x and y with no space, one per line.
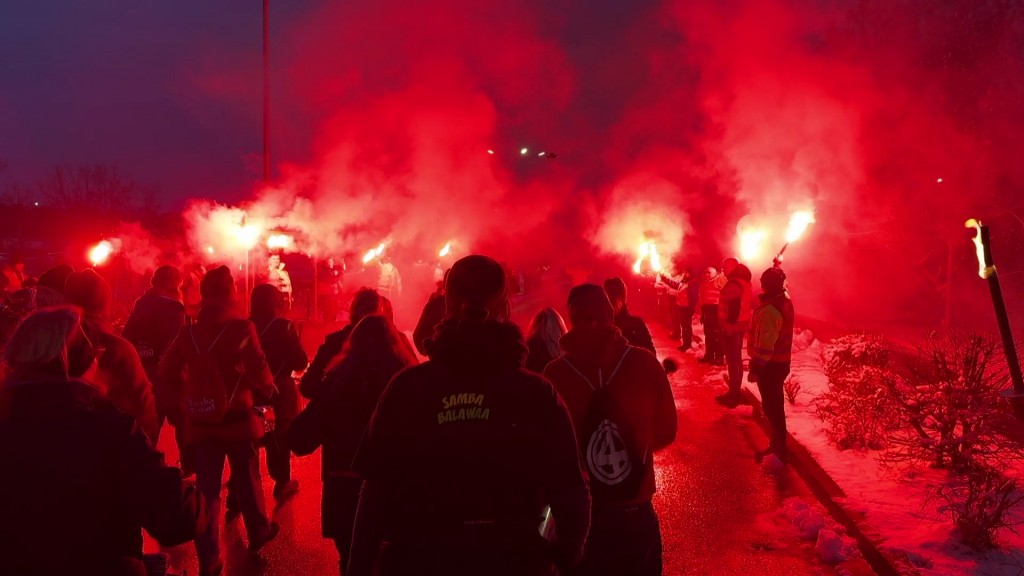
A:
[718,508]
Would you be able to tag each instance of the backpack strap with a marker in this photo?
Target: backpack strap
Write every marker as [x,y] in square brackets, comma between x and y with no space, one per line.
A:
[192,333]
[601,382]
[267,327]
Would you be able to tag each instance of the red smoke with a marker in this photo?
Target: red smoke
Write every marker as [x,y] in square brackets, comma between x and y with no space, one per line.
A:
[707,114]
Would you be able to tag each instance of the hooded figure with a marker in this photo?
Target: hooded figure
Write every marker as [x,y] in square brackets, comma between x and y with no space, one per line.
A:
[366,301]
[337,419]
[632,327]
[222,347]
[735,310]
[465,450]
[80,472]
[280,342]
[120,374]
[155,320]
[622,408]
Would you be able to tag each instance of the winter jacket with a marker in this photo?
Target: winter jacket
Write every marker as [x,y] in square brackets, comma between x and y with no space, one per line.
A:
[152,326]
[312,381]
[681,289]
[337,419]
[433,314]
[640,386]
[735,306]
[242,366]
[121,376]
[461,456]
[771,334]
[710,291]
[81,481]
[280,342]
[634,329]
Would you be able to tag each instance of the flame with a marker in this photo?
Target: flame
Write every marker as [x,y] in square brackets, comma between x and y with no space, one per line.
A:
[978,246]
[209,249]
[798,224]
[280,242]
[446,250]
[648,251]
[100,253]
[247,235]
[752,244]
[374,253]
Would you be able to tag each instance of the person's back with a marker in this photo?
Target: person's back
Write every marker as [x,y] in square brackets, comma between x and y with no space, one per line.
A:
[633,328]
[120,373]
[465,450]
[81,478]
[365,301]
[622,409]
[216,365]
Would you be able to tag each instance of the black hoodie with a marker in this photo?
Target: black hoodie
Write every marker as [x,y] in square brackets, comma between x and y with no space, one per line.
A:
[463,453]
[81,482]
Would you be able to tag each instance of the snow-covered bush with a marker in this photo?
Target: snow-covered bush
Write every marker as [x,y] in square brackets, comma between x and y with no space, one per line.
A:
[951,413]
[792,388]
[978,503]
[856,408]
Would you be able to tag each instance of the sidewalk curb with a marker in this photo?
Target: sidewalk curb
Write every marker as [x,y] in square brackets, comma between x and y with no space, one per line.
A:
[827,491]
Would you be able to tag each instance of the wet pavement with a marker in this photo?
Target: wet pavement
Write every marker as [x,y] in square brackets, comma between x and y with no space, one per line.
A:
[719,510]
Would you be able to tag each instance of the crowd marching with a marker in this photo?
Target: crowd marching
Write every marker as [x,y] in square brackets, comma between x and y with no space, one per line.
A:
[469,449]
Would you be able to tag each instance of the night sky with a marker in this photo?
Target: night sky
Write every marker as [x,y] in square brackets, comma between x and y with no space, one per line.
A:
[686,122]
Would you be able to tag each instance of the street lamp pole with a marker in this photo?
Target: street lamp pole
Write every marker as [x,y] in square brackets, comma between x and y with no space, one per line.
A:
[266,91]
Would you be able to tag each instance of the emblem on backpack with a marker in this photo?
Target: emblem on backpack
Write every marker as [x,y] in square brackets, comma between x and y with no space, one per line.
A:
[607,455]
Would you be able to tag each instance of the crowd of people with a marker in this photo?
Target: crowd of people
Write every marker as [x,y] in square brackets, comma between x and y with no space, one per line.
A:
[471,449]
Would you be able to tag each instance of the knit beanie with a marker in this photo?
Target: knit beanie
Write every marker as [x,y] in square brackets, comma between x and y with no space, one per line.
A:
[773,281]
[589,306]
[89,291]
[217,283]
[56,277]
[477,289]
[615,288]
[167,278]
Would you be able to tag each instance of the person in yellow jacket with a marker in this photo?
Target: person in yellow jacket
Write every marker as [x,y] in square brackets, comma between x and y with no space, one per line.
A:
[771,348]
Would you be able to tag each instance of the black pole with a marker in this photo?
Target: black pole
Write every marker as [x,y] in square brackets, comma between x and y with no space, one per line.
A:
[1009,348]
[266,90]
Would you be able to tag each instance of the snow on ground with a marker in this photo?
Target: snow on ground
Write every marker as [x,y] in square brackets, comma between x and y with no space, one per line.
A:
[896,506]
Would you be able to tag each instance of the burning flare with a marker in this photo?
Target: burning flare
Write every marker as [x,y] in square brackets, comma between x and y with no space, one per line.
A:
[446,250]
[374,253]
[752,244]
[983,270]
[648,251]
[247,236]
[280,242]
[100,253]
[798,224]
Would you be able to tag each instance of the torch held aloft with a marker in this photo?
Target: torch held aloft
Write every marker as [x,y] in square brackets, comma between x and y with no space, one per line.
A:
[987,270]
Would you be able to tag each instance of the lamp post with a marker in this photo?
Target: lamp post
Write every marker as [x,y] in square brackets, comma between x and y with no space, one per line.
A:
[987,270]
[266,91]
